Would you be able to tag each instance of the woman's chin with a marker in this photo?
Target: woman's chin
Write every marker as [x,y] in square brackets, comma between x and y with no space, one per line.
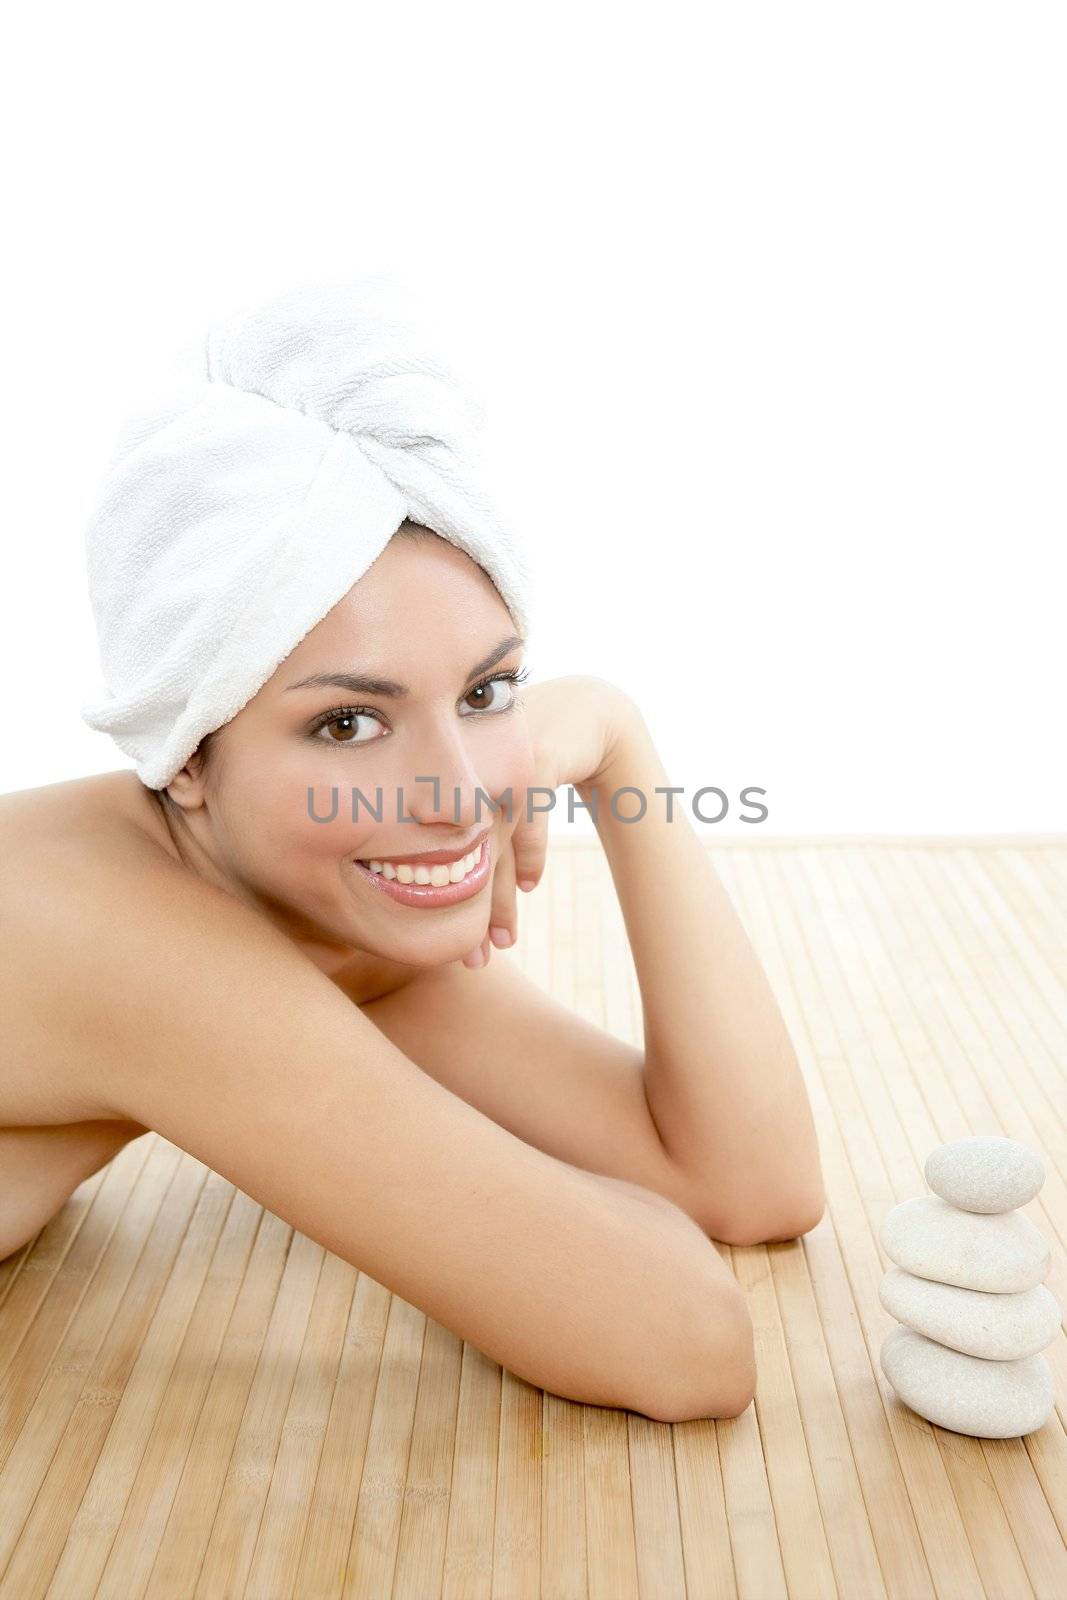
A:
[426,947]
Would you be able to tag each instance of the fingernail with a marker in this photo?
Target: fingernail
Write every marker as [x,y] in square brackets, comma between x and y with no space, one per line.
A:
[475,959]
[501,937]
[527,883]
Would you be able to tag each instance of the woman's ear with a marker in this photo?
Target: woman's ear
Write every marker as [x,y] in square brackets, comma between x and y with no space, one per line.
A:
[187,787]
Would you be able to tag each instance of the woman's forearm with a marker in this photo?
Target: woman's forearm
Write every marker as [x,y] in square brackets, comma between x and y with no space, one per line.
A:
[721,1076]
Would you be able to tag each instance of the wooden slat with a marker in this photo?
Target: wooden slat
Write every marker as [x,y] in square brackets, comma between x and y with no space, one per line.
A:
[197,1401]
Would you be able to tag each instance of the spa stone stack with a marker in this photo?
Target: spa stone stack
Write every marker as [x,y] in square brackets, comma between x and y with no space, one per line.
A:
[967,1288]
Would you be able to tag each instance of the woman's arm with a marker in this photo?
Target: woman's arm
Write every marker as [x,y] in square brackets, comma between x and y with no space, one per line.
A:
[193,1016]
[722,1079]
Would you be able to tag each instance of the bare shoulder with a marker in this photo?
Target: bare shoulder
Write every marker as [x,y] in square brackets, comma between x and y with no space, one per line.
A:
[56,828]
[68,855]
[93,883]
[90,894]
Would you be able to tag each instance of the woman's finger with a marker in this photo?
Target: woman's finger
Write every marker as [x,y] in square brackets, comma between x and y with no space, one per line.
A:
[530,847]
[478,957]
[503,916]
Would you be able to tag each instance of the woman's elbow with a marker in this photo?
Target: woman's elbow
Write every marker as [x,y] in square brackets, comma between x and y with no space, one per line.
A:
[724,1386]
[731,1394]
[718,1377]
[777,1227]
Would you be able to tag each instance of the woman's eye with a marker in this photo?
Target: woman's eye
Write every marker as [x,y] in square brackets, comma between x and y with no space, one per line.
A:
[345,729]
[484,697]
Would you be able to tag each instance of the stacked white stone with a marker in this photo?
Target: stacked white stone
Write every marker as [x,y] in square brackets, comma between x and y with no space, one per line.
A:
[967,1291]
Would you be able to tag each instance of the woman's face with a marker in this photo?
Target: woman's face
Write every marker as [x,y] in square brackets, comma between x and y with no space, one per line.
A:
[428,620]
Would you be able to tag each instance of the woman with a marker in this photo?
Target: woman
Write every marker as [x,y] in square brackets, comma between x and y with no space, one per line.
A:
[213,947]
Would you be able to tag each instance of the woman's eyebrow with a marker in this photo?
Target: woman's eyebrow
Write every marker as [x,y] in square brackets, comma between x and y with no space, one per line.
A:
[357,684]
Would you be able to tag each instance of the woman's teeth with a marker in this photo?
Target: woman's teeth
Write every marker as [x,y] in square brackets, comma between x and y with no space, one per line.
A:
[438,876]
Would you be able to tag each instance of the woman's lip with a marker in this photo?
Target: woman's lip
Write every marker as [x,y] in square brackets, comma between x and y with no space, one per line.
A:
[432,858]
[427,894]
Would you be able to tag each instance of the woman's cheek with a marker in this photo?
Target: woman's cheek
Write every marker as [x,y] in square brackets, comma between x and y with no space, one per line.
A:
[321,810]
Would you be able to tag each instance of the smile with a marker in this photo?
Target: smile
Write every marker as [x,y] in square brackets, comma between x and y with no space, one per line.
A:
[414,884]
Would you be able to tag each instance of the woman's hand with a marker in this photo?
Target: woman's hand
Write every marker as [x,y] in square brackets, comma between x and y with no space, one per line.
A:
[572,724]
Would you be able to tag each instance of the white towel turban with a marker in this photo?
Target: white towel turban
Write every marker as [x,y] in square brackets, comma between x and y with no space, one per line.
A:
[239,511]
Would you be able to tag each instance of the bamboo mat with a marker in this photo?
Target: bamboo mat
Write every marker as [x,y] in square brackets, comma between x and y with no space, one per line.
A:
[195,1401]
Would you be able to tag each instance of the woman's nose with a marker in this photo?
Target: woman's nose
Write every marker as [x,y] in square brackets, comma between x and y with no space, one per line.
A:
[446,785]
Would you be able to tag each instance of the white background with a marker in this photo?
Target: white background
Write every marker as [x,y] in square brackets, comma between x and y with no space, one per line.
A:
[766,303]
